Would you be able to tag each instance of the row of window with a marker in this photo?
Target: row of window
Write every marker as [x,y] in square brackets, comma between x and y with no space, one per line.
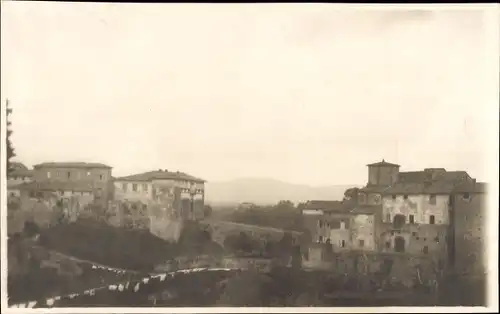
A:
[342,243]
[135,187]
[400,219]
[69,175]
[332,225]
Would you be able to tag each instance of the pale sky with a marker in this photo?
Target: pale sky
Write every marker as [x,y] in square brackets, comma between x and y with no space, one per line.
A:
[301,93]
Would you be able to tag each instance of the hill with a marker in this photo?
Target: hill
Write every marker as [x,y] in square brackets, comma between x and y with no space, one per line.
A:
[262,191]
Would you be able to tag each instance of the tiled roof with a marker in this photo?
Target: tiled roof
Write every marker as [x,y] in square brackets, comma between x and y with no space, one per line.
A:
[444,184]
[71,165]
[412,176]
[329,206]
[374,189]
[20,173]
[160,175]
[56,186]
[18,166]
[471,187]
[383,163]
[366,209]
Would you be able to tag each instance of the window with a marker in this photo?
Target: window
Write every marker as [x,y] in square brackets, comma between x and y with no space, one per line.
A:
[101,177]
[388,217]
[124,187]
[412,219]
[387,245]
[145,187]
[399,221]
[432,199]
[342,225]
[342,243]
[436,239]
[432,219]
[394,197]
[466,196]
[320,223]
[320,239]
[405,197]
[414,234]
[88,173]
[69,174]
[361,243]
[134,187]
[425,249]
[48,174]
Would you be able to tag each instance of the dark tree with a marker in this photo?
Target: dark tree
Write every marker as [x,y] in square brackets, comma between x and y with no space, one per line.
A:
[10,148]
[207,211]
[351,194]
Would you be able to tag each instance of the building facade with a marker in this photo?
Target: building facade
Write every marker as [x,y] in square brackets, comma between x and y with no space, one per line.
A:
[75,178]
[433,213]
[467,245]
[182,195]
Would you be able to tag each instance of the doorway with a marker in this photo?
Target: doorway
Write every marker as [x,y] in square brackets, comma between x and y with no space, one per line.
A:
[399,244]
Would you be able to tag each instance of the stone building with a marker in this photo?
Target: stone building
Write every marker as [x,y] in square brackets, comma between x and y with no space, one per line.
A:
[69,175]
[467,243]
[328,222]
[417,209]
[186,192]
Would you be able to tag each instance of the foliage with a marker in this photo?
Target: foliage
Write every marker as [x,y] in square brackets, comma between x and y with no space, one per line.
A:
[242,243]
[351,194]
[207,211]
[10,148]
[283,215]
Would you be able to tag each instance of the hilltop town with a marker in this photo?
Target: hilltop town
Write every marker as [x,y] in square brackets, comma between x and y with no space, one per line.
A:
[424,224]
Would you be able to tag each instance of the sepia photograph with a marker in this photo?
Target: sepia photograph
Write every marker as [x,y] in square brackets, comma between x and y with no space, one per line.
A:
[222,157]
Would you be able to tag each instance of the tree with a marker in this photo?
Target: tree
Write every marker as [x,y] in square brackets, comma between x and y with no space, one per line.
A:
[207,211]
[10,149]
[351,194]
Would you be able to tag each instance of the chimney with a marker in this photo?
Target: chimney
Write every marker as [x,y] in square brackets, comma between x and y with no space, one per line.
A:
[159,170]
[165,170]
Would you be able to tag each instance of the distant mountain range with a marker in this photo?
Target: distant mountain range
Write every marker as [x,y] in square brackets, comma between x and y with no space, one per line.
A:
[262,191]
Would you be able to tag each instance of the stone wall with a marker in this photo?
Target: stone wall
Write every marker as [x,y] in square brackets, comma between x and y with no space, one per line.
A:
[469,233]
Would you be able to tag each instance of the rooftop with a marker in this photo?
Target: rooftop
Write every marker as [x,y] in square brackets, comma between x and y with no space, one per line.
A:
[429,181]
[71,165]
[20,173]
[160,175]
[328,206]
[382,164]
[366,209]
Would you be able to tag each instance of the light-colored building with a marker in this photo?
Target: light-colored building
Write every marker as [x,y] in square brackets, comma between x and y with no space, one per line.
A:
[328,222]
[363,228]
[182,195]
[416,211]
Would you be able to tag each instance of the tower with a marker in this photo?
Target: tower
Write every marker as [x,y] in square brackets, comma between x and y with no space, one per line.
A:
[382,173]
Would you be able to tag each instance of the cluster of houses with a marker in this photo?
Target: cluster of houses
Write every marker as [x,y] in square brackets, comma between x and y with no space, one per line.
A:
[161,196]
[432,212]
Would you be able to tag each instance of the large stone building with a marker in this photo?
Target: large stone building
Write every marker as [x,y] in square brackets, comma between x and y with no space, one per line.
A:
[433,212]
[72,179]
[183,195]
